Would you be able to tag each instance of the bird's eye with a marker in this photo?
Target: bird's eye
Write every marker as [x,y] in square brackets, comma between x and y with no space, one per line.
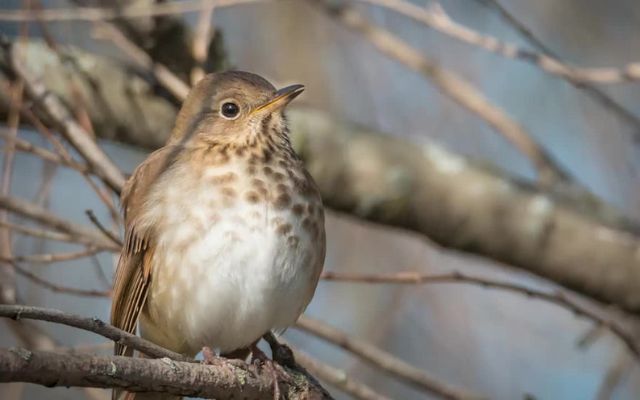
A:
[230,110]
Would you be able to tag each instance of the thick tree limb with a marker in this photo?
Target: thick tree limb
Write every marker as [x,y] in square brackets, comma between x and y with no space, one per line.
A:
[224,380]
[173,373]
[463,206]
[419,187]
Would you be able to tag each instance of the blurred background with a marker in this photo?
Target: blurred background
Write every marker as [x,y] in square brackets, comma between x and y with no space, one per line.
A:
[500,344]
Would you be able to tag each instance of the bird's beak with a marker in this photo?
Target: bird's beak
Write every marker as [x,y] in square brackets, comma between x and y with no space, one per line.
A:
[281,98]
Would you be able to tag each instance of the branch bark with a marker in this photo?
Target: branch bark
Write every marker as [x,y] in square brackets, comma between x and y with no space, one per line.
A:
[419,187]
[170,373]
[225,380]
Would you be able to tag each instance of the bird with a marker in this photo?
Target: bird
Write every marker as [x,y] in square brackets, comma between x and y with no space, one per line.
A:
[224,227]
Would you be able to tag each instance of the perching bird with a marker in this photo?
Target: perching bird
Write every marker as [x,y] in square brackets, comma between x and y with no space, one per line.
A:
[224,227]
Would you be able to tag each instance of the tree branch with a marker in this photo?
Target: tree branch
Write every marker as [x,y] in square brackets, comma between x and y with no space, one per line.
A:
[173,373]
[436,18]
[450,84]
[225,379]
[382,360]
[58,288]
[81,140]
[414,278]
[102,13]
[44,217]
[338,378]
[94,325]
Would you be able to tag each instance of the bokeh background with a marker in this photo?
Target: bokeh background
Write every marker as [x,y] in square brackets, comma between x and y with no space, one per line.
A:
[503,345]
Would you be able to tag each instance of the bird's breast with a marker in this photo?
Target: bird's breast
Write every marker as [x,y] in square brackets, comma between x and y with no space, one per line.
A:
[238,252]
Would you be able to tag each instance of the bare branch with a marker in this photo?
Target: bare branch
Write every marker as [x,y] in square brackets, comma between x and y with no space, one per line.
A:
[614,376]
[455,87]
[201,40]
[68,159]
[225,379]
[44,233]
[45,154]
[48,258]
[558,298]
[384,361]
[165,77]
[435,17]
[59,288]
[596,93]
[43,216]
[99,14]
[73,132]
[7,274]
[174,373]
[337,378]
[108,233]
[94,325]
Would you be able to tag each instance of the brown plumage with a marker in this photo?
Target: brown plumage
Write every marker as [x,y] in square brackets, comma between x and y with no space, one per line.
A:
[224,229]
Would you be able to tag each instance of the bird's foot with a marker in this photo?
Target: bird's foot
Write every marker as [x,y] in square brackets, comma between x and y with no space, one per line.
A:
[209,356]
[259,358]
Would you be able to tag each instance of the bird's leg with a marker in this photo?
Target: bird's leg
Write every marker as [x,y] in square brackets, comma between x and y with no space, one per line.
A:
[258,357]
[239,354]
[281,353]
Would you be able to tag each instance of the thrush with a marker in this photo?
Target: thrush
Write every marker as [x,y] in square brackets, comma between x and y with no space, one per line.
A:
[224,227]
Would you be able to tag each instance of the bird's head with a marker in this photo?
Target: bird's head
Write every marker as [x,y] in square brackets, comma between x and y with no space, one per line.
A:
[233,107]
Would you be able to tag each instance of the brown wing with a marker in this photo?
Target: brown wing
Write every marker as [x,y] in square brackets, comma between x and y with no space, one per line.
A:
[134,266]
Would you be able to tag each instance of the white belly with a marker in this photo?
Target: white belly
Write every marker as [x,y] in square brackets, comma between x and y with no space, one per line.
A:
[241,270]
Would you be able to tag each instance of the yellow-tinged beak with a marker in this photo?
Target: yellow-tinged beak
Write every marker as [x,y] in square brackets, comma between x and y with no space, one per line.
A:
[281,98]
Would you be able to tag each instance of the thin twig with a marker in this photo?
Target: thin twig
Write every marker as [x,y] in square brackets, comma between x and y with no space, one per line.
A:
[7,274]
[59,288]
[94,14]
[201,41]
[383,360]
[458,89]
[43,153]
[557,297]
[336,377]
[163,75]
[48,258]
[73,132]
[97,267]
[596,93]
[46,234]
[107,232]
[94,325]
[62,151]
[613,377]
[435,17]
[45,217]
